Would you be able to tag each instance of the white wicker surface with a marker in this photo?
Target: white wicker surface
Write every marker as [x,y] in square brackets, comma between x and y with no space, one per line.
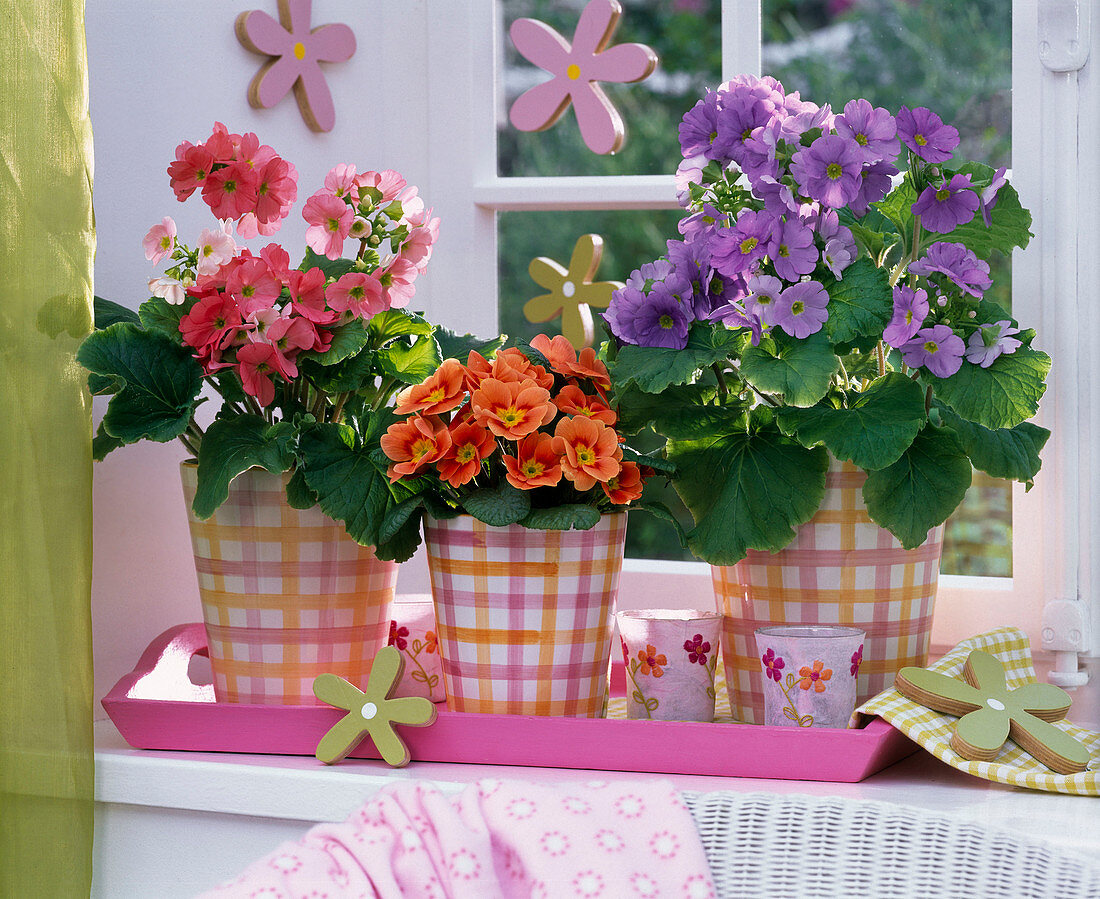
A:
[778,846]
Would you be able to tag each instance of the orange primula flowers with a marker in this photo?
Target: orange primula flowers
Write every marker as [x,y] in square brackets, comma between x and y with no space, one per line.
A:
[535,463]
[509,365]
[440,392]
[471,444]
[626,486]
[414,443]
[563,359]
[512,409]
[574,401]
[589,449]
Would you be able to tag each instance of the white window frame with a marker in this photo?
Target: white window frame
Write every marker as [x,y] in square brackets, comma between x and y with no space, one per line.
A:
[1055,525]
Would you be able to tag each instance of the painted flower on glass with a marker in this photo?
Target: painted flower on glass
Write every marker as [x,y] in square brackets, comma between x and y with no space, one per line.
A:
[577,68]
[652,662]
[398,636]
[857,659]
[814,677]
[697,648]
[773,665]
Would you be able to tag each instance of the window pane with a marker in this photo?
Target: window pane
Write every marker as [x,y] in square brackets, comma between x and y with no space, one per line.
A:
[629,240]
[685,36]
[895,52]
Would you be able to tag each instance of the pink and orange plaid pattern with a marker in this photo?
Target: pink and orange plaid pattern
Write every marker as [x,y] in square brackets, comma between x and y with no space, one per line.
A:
[844,569]
[286,594]
[525,617]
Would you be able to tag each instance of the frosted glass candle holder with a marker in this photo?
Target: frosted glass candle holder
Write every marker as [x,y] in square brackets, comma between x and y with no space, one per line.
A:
[670,656]
[809,673]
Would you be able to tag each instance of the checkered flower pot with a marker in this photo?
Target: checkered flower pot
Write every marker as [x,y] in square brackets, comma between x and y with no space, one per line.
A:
[286,594]
[843,569]
[525,617]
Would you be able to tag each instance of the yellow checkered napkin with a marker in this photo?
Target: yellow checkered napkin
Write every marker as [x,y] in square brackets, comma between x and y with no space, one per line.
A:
[932,730]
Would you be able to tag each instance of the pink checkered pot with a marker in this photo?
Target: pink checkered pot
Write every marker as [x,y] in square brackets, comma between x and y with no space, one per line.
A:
[286,593]
[841,569]
[525,617]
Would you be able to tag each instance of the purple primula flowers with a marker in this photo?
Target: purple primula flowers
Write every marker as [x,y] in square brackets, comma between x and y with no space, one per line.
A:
[872,127]
[989,195]
[689,171]
[699,128]
[944,208]
[954,260]
[764,290]
[734,250]
[738,117]
[705,223]
[829,170]
[991,341]
[910,311]
[800,309]
[654,319]
[874,184]
[924,132]
[792,250]
[939,349]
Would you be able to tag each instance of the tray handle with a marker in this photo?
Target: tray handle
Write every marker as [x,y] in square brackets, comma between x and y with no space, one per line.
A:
[162,671]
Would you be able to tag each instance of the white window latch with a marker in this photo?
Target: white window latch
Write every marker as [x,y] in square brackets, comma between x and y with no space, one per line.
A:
[1065,633]
[1064,34]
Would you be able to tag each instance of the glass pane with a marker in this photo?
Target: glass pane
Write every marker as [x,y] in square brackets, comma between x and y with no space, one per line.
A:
[895,52]
[629,240]
[685,36]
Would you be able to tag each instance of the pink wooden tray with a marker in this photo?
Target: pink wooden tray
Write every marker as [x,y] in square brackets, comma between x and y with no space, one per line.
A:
[157,706]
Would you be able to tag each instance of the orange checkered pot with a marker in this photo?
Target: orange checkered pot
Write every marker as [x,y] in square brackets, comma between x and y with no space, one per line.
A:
[840,569]
[525,617]
[286,593]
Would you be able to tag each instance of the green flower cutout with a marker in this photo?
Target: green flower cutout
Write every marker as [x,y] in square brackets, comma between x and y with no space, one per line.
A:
[572,294]
[991,713]
[371,711]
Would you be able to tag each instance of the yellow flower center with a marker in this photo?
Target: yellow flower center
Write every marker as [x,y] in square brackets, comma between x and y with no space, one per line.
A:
[666,322]
[299,50]
[532,469]
[165,242]
[930,346]
[834,170]
[512,416]
[423,447]
[436,395]
[920,140]
[942,194]
[861,139]
[784,250]
[573,72]
[909,317]
[798,307]
[466,453]
[585,454]
[334,225]
[748,245]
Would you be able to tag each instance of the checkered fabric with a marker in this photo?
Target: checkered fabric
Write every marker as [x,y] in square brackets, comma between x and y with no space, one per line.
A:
[525,617]
[932,730]
[842,568]
[286,594]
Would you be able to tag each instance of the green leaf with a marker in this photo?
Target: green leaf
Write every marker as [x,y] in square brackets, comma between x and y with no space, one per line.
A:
[298,494]
[1011,453]
[578,516]
[391,323]
[670,412]
[799,370]
[897,207]
[397,517]
[103,385]
[108,312]
[654,461]
[157,314]
[872,432]
[747,491]
[459,346]
[861,304]
[1002,396]
[498,507]
[410,364]
[350,487]
[159,381]
[103,443]
[333,268]
[1010,223]
[662,512]
[345,376]
[233,445]
[921,489]
[655,368]
[402,545]
[347,341]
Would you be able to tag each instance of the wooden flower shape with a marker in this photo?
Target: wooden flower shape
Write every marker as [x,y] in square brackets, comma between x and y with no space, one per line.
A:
[372,711]
[577,68]
[572,292]
[992,712]
[296,51]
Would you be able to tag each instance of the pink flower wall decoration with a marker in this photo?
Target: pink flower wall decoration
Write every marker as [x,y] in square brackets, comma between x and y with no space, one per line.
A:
[576,69]
[296,52]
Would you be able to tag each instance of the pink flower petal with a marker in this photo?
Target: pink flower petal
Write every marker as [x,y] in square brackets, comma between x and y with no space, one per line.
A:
[331,43]
[273,81]
[600,123]
[319,98]
[621,63]
[263,34]
[540,44]
[597,22]
[541,106]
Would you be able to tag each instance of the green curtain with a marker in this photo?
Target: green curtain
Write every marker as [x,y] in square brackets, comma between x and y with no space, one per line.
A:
[47,241]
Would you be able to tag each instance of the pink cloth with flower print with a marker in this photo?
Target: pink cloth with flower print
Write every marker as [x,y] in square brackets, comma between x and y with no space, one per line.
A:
[495,839]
